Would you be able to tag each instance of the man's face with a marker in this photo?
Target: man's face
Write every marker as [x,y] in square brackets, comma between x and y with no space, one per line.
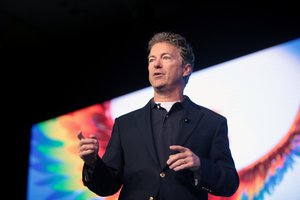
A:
[166,68]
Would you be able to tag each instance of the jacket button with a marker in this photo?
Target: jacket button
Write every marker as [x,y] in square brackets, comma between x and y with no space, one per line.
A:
[162,174]
[151,198]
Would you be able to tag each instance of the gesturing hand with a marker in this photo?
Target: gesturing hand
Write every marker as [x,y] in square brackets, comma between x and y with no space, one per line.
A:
[88,149]
[184,159]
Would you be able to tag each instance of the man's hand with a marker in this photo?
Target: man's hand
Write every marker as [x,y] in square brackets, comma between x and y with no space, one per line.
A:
[184,159]
[88,149]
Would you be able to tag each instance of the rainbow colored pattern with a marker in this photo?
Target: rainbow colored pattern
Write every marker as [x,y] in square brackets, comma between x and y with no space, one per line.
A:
[54,166]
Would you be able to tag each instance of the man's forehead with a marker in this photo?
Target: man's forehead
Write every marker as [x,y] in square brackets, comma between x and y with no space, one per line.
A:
[163,48]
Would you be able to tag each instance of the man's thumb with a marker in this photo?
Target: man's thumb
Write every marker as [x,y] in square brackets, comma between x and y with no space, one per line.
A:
[79,135]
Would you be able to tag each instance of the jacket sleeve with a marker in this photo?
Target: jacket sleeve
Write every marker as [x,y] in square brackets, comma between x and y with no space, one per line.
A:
[217,173]
[106,177]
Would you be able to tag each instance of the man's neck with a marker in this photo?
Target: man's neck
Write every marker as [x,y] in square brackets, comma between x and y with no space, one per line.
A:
[168,97]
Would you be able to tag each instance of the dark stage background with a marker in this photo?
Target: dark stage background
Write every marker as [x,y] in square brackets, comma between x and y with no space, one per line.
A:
[63,55]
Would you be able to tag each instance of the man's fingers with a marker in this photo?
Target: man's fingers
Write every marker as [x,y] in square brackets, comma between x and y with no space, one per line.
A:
[178,148]
[86,153]
[88,146]
[173,158]
[180,165]
[181,153]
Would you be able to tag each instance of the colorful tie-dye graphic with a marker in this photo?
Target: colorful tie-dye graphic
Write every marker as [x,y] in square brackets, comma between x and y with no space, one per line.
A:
[55,166]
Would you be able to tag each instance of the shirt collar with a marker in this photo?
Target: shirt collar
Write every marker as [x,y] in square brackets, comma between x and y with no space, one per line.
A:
[182,104]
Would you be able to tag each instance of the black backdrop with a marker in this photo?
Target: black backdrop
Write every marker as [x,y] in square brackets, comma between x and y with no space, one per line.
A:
[62,56]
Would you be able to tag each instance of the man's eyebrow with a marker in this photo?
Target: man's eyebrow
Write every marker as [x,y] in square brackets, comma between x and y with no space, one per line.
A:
[153,56]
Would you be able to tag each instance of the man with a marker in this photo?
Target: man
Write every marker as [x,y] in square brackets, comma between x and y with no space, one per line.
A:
[171,148]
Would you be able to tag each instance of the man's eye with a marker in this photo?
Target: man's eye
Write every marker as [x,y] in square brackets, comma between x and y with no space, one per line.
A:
[150,60]
[166,57]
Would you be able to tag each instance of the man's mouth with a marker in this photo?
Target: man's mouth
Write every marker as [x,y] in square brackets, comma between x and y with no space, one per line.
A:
[157,74]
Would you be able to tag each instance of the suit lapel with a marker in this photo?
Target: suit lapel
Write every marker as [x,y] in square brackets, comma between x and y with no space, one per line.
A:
[143,120]
[189,122]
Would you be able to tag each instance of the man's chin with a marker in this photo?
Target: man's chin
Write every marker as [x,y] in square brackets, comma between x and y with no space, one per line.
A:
[159,88]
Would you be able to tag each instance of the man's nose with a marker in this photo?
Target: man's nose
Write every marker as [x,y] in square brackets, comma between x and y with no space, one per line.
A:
[157,64]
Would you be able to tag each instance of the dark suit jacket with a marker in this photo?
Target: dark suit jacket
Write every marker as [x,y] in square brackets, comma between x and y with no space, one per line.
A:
[131,160]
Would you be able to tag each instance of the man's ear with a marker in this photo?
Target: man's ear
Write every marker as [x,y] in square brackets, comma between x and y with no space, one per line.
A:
[187,70]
